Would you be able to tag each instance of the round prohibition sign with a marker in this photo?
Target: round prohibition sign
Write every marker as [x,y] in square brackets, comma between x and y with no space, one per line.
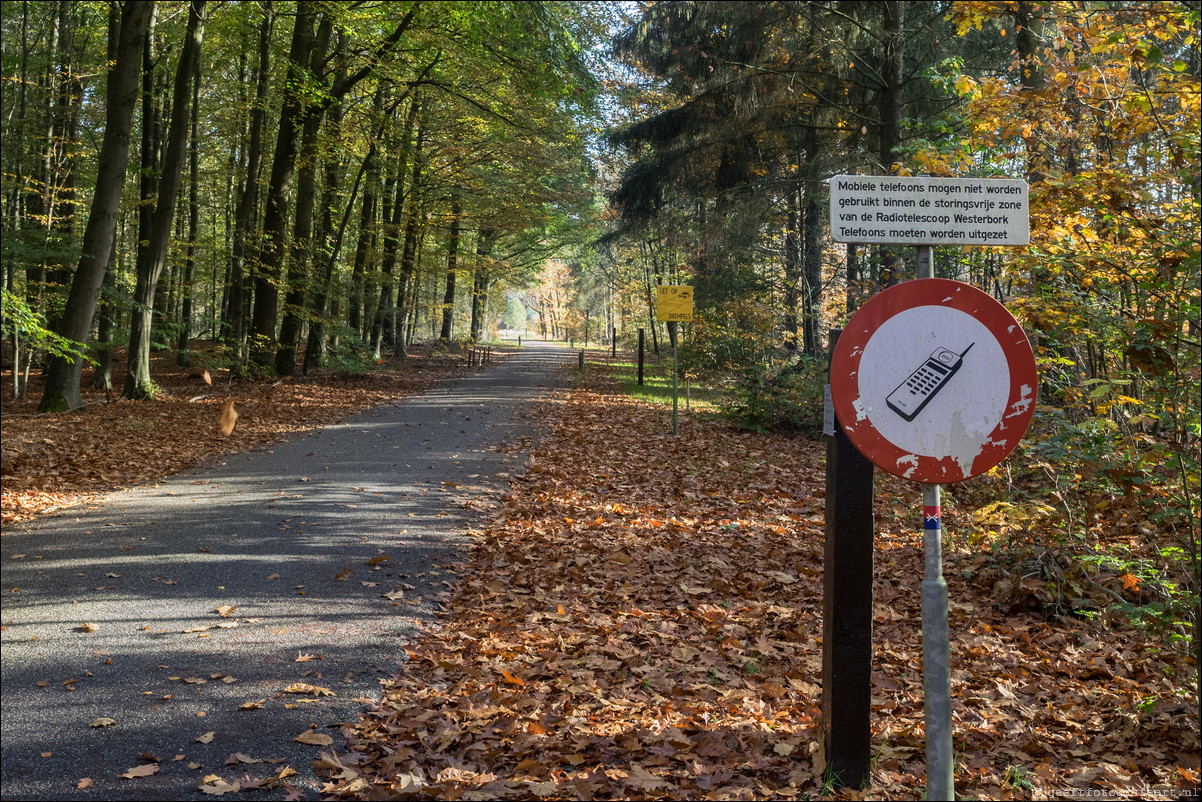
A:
[934,381]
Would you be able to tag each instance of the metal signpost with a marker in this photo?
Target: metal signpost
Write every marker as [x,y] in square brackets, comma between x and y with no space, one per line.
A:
[674,304]
[932,380]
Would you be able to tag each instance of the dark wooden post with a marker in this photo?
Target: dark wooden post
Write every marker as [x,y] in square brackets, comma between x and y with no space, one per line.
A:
[640,357]
[614,343]
[847,609]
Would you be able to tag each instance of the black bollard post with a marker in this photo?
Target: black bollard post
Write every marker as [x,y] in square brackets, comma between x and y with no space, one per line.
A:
[846,606]
[640,357]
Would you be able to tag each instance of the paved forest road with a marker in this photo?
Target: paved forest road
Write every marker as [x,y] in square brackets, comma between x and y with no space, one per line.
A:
[287,536]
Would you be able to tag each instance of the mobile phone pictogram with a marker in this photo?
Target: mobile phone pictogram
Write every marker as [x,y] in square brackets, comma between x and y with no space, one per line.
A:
[911,396]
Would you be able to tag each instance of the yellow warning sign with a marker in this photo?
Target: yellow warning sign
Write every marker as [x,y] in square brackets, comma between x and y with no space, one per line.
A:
[674,304]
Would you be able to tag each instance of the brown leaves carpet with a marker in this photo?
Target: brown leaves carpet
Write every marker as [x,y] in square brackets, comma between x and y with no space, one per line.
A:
[643,620]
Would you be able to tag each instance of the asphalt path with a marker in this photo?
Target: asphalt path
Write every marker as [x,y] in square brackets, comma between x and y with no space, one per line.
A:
[332,548]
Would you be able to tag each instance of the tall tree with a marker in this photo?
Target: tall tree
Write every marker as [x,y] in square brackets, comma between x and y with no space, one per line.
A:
[62,391]
[138,383]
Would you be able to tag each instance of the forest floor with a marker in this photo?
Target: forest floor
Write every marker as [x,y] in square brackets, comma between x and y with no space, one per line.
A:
[642,619]
[54,461]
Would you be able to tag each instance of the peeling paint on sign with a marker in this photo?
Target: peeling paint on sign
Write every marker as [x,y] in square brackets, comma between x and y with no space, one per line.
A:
[936,380]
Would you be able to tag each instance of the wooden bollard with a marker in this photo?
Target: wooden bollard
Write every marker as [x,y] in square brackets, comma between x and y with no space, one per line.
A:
[582,359]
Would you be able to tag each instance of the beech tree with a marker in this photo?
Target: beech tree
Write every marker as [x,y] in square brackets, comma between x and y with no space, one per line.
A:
[62,391]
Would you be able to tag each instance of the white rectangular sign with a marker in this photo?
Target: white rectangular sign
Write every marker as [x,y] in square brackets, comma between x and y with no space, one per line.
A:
[921,210]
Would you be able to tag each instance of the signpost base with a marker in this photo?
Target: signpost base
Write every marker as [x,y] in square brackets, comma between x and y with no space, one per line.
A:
[936,660]
[847,610]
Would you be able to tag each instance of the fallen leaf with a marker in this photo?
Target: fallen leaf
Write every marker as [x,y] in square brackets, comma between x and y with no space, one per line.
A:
[315,738]
[643,780]
[206,738]
[226,610]
[103,722]
[511,679]
[229,417]
[239,757]
[219,787]
[141,771]
[208,379]
[88,626]
[303,687]
[301,657]
[1130,582]
[251,705]
[342,575]
[86,782]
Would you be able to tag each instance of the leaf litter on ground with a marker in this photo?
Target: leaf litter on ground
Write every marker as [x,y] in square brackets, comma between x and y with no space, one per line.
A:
[643,619]
[53,461]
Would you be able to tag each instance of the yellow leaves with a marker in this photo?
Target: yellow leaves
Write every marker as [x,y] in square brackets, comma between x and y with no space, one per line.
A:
[967,87]
[313,690]
[214,785]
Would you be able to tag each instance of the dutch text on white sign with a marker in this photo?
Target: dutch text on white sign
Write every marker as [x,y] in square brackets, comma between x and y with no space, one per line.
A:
[921,210]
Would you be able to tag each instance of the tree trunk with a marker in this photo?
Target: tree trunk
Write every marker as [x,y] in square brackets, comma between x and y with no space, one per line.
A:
[448,298]
[409,249]
[283,166]
[17,198]
[328,241]
[102,377]
[792,268]
[248,203]
[300,260]
[812,259]
[890,109]
[62,381]
[138,383]
[185,316]
[364,243]
[483,278]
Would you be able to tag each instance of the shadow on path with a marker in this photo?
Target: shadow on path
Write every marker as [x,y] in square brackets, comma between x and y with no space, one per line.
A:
[328,546]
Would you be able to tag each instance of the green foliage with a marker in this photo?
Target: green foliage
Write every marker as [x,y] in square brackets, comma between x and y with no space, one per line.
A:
[789,399]
[351,357]
[32,329]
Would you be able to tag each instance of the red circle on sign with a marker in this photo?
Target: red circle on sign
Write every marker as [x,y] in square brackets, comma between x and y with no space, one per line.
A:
[890,413]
